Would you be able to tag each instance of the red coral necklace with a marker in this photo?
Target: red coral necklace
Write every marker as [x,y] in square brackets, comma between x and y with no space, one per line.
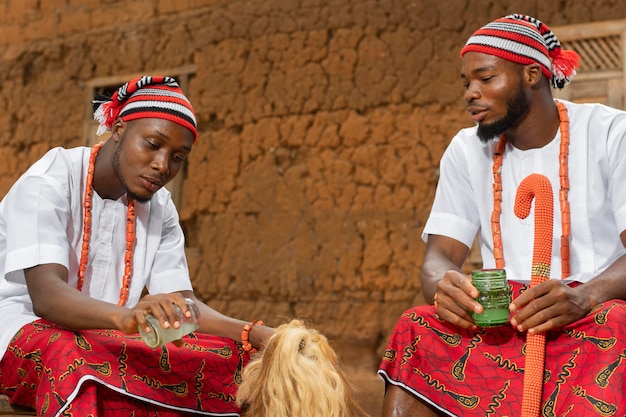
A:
[563,192]
[130,233]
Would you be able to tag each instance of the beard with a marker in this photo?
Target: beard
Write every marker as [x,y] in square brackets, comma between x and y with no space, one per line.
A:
[117,167]
[516,108]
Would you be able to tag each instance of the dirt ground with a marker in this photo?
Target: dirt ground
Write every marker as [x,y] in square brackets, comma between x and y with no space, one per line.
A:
[370,389]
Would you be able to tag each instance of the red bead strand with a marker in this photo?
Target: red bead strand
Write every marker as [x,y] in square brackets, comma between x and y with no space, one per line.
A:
[498,251]
[130,233]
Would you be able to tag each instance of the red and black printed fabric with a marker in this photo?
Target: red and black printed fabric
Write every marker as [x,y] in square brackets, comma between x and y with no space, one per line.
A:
[107,373]
[480,373]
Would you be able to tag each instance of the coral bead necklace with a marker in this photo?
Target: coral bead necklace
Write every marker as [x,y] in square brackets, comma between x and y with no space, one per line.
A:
[130,233]
[563,192]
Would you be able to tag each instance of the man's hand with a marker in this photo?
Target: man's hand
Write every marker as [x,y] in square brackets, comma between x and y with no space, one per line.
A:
[548,306]
[161,306]
[455,299]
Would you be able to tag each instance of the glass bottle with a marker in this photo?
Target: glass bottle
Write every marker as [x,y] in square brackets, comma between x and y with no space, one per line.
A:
[158,336]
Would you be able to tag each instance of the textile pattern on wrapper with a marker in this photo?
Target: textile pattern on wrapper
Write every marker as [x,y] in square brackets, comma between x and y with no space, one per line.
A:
[108,373]
[466,373]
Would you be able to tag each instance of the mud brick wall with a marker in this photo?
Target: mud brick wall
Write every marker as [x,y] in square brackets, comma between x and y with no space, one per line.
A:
[321,126]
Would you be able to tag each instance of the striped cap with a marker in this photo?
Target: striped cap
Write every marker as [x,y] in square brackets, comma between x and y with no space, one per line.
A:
[525,40]
[146,97]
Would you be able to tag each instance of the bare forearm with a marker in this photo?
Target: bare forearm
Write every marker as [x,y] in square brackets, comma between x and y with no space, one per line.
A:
[443,254]
[609,285]
[218,324]
[432,272]
[70,308]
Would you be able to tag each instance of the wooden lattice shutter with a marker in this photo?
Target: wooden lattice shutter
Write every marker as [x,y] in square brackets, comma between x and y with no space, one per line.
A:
[601,77]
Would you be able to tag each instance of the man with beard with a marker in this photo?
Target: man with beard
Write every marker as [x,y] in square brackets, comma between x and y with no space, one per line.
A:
[82,233]
[438,361]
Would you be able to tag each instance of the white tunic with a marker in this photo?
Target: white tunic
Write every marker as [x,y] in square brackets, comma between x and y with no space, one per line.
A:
[597,196]
[41,221]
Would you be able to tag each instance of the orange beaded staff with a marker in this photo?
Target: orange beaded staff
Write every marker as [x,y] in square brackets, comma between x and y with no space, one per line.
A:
[538,187]
[563,197]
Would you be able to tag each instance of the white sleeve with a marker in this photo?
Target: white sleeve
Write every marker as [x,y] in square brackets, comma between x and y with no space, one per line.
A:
[454,212]
[37,212]
[616,150]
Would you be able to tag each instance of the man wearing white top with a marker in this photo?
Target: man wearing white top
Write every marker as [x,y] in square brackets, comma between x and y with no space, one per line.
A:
[438,361]
[82,233]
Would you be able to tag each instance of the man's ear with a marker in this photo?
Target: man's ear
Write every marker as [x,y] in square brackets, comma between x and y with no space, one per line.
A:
[117,129]
[532,74]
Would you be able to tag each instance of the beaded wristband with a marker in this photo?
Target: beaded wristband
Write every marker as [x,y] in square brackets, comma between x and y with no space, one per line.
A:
[245,336]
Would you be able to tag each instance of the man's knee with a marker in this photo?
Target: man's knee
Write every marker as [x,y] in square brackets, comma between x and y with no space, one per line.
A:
[400,403]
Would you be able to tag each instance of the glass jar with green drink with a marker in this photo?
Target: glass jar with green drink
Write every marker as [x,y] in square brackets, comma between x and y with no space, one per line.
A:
[494,295]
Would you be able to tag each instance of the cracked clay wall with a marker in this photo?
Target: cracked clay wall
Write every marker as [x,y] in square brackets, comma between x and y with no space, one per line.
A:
[321,126]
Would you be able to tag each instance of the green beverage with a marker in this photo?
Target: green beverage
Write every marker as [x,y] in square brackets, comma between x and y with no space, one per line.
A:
[494,295]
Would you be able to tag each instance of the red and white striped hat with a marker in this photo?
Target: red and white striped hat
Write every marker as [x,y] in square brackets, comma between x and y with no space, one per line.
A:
[525,40]
[145,97]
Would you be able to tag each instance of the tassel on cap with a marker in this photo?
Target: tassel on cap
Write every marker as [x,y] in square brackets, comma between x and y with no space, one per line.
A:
[564,66]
